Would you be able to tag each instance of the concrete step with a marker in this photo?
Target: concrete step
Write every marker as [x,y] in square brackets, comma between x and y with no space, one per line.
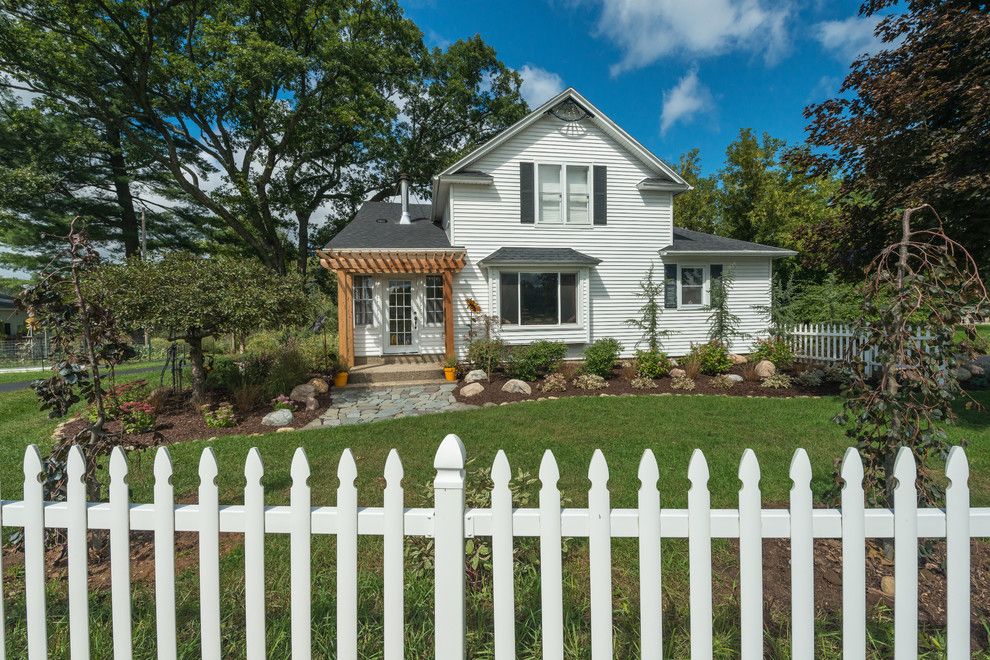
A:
[381,374]
[413,358]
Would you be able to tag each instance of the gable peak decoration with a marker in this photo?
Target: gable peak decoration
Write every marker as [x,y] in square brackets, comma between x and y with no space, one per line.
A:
[569,110]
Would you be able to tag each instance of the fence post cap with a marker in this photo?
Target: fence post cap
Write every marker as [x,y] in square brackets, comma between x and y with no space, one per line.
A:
[450,454]
[800,470]
[648,472]
[118,461]
[749,467]
[904,467]
[501,472]
[163,463]
[75,461]
[549,473]
[957,465]
[852,466]
[598,469]
[254,469]
[698,468]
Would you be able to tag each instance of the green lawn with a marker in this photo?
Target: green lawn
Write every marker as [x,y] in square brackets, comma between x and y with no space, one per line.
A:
[573,428]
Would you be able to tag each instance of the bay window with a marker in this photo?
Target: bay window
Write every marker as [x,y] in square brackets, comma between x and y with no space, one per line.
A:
[538,298]
[564,194]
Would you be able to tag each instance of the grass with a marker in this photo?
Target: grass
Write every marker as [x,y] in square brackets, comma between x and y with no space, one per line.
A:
[572,428]
[18,376]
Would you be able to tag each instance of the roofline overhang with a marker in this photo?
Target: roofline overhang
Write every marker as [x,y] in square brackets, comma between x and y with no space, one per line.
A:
[675,188]
[332,250]
[538,264]
[729,253]
[471,180]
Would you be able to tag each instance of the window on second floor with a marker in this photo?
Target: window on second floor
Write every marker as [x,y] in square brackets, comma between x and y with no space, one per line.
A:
[564,193]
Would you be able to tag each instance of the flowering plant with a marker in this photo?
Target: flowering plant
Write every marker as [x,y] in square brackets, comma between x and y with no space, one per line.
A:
[137,417]
[221,418]
[282,402]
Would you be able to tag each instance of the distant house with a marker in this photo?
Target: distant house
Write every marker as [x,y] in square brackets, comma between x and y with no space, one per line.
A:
[14,321]
[550,226]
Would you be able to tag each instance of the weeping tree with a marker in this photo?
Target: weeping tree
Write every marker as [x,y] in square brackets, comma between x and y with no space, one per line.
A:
[925,281]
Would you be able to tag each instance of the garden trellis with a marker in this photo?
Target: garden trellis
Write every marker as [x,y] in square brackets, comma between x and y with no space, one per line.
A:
[450,524]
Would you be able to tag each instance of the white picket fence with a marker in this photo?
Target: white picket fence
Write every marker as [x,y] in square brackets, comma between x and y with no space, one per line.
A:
[834,343]
[450,524]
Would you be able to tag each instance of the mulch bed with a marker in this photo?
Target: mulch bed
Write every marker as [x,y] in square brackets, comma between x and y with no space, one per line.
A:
[179,421]
[621,384]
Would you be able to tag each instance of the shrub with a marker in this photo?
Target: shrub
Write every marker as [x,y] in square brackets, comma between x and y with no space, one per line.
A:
[289,367]
[223,374]
[600,357]
[810,378]
[554,383]
[590,382]
[836,374]
[652,364]
[774,349]
[282,402]
[713,358]
[535,360]
[137,417]
[643,383]
[722,383]
[682,383]
[247,395]
[221,418]
[487,354]
[777,381]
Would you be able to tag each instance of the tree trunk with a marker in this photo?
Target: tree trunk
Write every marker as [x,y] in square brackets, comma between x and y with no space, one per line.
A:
[197,369]
[303,259]
[129,229]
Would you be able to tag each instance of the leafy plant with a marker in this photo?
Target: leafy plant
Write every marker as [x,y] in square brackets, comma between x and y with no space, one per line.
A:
[723,324]
[776,381]
[775,349]
[221,418]
[535,360]
[653,364]
[651,292]
[691,365]
[748,372]
[487,354]
[554,383]
[722,383]
[590,382]
[282,402]
[712,357]
[450,362]
[682,383]
[601,357]
[810,378]
[643,383]
[137,417]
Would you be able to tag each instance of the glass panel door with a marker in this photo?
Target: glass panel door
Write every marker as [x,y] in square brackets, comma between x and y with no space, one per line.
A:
[401,318]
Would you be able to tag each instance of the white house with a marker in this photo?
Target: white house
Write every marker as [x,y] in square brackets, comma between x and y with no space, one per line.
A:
[550,226]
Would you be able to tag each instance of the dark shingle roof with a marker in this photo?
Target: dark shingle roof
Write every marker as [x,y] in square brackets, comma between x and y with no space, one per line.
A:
[528,255]
[367,231]
[687,240]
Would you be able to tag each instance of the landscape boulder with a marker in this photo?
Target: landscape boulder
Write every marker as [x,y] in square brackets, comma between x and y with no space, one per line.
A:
[962,374]
[312,403]
[472,389]
[516,386]
[302,392]
[474,376]
[677,373]
[280,417]
[319,385]
[738,359]
[735,378]
[765,369]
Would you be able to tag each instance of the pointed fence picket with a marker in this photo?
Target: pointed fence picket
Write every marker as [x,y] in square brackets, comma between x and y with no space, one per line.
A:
[450,524]
[830,343]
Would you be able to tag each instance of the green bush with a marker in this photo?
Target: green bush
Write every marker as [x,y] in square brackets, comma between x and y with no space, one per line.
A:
[535,360]
[601,357]
[221,418]
[487,354]
[713,358]
[223,374]
[652,364]
[774,349]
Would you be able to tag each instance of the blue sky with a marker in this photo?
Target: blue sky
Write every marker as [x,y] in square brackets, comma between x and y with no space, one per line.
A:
[676,74]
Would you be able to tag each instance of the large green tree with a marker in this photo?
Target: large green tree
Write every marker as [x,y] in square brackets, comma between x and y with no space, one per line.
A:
[911,125]
[700,208]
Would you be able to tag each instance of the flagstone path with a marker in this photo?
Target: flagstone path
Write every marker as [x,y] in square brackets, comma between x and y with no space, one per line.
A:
[360,405]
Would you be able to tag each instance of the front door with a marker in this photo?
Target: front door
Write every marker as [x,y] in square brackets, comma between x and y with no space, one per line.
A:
[402,321]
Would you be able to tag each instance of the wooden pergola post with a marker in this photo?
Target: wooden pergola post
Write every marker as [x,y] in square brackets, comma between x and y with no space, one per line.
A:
[448,313]
[345,318]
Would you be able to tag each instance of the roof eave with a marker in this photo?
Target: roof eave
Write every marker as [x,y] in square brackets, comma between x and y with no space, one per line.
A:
[728,253]
[664,187]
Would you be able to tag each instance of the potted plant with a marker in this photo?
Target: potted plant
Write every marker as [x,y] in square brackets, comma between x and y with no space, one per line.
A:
[340,378]
[450,368]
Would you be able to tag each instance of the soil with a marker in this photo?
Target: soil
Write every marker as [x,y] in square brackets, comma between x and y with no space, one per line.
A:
[621,383]
[177,420]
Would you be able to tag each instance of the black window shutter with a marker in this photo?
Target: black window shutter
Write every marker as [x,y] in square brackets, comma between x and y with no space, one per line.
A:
[715,271]
[527,194]
[600,184]
[670,286]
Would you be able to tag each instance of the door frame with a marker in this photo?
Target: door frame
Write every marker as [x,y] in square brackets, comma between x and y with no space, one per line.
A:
[415,292]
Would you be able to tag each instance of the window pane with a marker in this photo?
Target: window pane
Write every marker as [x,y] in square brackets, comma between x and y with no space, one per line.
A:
[692,290]
[538,298]
[568,298]
[577,195]
[549,193]
[692,276]
[434,300]
[509,298]
[363,294]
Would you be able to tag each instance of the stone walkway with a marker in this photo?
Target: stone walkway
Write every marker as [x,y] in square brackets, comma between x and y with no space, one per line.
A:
[359,405]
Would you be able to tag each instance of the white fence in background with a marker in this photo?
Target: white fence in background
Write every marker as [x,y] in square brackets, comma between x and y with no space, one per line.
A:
[831,343]
[450,524]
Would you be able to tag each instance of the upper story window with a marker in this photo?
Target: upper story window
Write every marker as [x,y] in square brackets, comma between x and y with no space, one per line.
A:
[364,295]
[564,193]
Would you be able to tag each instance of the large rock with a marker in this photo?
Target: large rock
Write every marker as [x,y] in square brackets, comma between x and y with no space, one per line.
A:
[281,417]
[735,378]
[302,392]
[312,403]
[738,359]
[516,386]
[765,369]
[474,376]
[677,373]
[961,374]
[320,385]
[472,389]
[975,369]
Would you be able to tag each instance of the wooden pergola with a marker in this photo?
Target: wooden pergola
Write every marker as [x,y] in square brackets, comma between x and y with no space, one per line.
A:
[350,262]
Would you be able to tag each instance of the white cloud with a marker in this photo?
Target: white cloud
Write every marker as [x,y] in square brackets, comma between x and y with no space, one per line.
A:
[646,30]
[688,98]
[849,38]
[539,85]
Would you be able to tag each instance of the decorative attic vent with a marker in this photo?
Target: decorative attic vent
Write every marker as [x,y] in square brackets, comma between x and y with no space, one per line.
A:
[568,110]
[382,221]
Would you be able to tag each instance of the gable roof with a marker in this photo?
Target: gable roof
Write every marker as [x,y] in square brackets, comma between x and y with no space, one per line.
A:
[376,226]
[689,242]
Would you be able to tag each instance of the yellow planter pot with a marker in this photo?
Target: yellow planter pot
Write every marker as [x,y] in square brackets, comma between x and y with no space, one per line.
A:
[340,379]
[450,373]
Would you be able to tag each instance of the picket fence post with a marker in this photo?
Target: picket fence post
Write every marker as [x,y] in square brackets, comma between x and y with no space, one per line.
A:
[448,525]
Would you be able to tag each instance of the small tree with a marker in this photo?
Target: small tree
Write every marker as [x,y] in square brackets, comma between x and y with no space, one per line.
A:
[723,324]
[188,298]
[925,280]
[649,314]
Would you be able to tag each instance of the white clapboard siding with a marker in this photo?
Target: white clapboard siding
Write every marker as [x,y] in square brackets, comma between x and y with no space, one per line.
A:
[450,524]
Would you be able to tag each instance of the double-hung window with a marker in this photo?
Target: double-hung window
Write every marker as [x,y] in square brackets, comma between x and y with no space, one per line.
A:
[434,300]
[538,298]
[364,296]
[692,285]
[564,193]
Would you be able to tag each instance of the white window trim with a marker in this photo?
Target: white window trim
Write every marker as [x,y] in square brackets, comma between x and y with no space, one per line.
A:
[354,301]
[426,298]
[579,312]
[565,219]
[704,286]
